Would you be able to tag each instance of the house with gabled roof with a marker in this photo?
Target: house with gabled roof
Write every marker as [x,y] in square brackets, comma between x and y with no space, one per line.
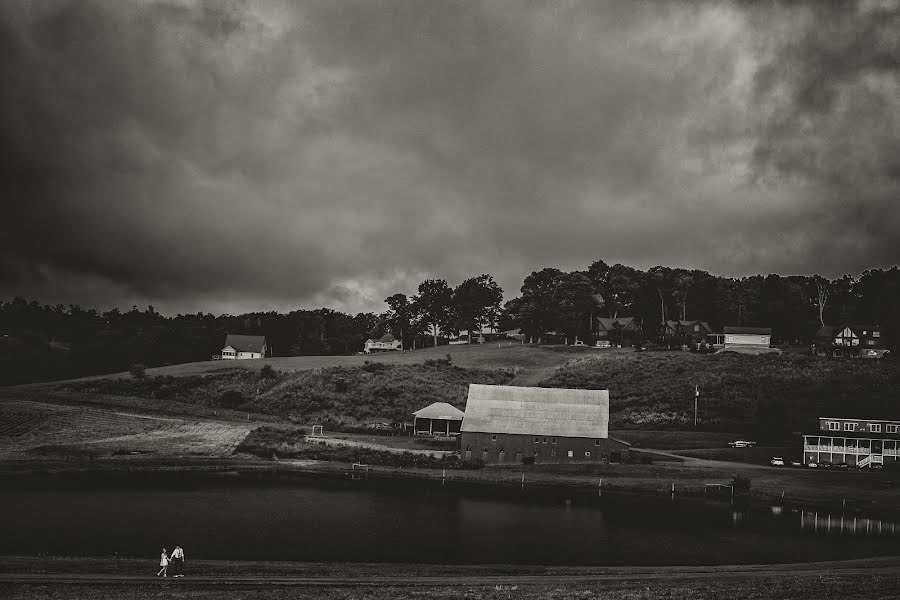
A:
[618,330]
[685,332]
[240,347]
[850,340]
[386,343]
[514,425]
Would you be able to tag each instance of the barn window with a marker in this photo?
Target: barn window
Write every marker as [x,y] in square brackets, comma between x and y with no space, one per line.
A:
[544,440]
[849,426]
[596,442]
[876,334]
[552,440]
[493,438]
[875,427]
[537,440]
[552,451]
[834,426]
[890,429]
[570,453]
[587,453]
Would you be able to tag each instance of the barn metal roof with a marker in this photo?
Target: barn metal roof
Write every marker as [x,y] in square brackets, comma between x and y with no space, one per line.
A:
[440,410]
[537,411]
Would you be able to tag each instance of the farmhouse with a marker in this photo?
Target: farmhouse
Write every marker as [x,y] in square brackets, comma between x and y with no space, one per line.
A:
[239,347]
[618,330]
[508,424]
[685,332]
[439,418]
[850,340]
[750,340]
[855,442]
[385,343]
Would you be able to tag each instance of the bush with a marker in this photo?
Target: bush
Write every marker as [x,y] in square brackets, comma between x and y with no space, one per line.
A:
[267,372]
[231,399]
[138,370]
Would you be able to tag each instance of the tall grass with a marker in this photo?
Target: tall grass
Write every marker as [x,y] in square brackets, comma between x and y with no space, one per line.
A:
[783,392]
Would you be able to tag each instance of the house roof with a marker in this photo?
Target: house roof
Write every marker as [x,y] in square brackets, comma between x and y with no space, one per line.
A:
[828,331]
[388,338]
[440,410]
[611,323]
[246,343]
[537,411]
[750,330]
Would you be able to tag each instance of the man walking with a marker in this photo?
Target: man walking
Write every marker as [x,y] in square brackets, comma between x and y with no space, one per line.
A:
[177,560]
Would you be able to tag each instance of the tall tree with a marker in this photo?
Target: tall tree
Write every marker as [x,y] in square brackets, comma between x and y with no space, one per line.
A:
[400,317]
[537,312]
[434,304]
[476,302]
[822,291]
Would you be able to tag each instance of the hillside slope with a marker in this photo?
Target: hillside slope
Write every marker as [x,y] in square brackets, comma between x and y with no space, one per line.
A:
[774,393]
[373,392]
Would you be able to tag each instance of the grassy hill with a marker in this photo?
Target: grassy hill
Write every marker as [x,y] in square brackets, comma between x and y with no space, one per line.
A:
[371,392]
[764,395]
[774,393]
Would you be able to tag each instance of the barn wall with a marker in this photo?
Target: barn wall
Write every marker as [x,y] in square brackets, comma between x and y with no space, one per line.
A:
[516,447]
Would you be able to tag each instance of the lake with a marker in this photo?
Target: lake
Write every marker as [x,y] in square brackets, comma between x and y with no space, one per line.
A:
[419,522]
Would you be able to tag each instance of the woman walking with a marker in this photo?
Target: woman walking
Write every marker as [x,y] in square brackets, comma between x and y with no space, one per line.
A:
[163,564]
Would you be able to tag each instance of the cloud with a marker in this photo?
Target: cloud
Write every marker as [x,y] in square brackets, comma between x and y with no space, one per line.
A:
[273,154]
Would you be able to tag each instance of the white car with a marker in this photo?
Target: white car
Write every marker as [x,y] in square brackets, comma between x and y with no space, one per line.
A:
[602,344]
[777,461]
[578,343]
[741,444]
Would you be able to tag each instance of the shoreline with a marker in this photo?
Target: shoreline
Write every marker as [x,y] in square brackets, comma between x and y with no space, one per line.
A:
[152,472]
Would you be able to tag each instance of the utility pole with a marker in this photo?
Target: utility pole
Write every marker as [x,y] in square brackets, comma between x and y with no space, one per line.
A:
[696,400]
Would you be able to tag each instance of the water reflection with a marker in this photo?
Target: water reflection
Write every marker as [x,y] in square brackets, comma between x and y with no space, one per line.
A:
[819,522]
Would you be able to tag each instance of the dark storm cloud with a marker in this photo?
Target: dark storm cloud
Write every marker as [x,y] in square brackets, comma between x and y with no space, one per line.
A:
[230,156]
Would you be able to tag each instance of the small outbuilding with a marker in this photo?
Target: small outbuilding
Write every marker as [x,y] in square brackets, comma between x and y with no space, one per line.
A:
[748,340]
[439,418]
[509,424]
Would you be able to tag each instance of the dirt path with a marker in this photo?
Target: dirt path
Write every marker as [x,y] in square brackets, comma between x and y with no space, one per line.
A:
[881,567]
[329,441]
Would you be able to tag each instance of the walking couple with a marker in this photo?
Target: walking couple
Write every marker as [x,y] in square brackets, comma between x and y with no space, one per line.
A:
[176,560]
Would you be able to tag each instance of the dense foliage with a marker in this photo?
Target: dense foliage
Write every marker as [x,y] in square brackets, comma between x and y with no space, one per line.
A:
[40,343]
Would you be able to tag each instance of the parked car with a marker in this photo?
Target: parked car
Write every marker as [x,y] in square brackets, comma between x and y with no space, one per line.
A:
[602,344]
[796,463]
[842,466]
[813,465]
[777,461]
[578,343]
[741,444]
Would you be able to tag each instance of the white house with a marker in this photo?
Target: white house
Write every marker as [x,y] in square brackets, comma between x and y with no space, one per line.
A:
[240,347]
[750,340]
[386,343]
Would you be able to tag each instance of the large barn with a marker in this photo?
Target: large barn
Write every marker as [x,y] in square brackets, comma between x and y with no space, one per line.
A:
[508,424]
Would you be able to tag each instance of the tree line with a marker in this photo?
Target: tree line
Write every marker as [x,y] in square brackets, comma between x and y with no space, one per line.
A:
[39,342]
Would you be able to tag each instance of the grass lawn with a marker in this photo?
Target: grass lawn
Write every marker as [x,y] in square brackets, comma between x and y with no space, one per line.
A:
[869,586]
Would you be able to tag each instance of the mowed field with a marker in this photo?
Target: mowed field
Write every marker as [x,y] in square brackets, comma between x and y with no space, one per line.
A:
[30,429]
[533,363]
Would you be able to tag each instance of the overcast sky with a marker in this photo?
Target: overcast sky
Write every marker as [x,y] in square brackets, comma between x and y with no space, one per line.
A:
[233,156]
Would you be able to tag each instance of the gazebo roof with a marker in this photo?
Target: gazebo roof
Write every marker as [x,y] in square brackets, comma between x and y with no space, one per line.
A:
[440,410]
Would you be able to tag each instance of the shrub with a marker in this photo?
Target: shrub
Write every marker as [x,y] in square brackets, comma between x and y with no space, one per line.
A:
[267,372]
[138,370]
[231,399]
